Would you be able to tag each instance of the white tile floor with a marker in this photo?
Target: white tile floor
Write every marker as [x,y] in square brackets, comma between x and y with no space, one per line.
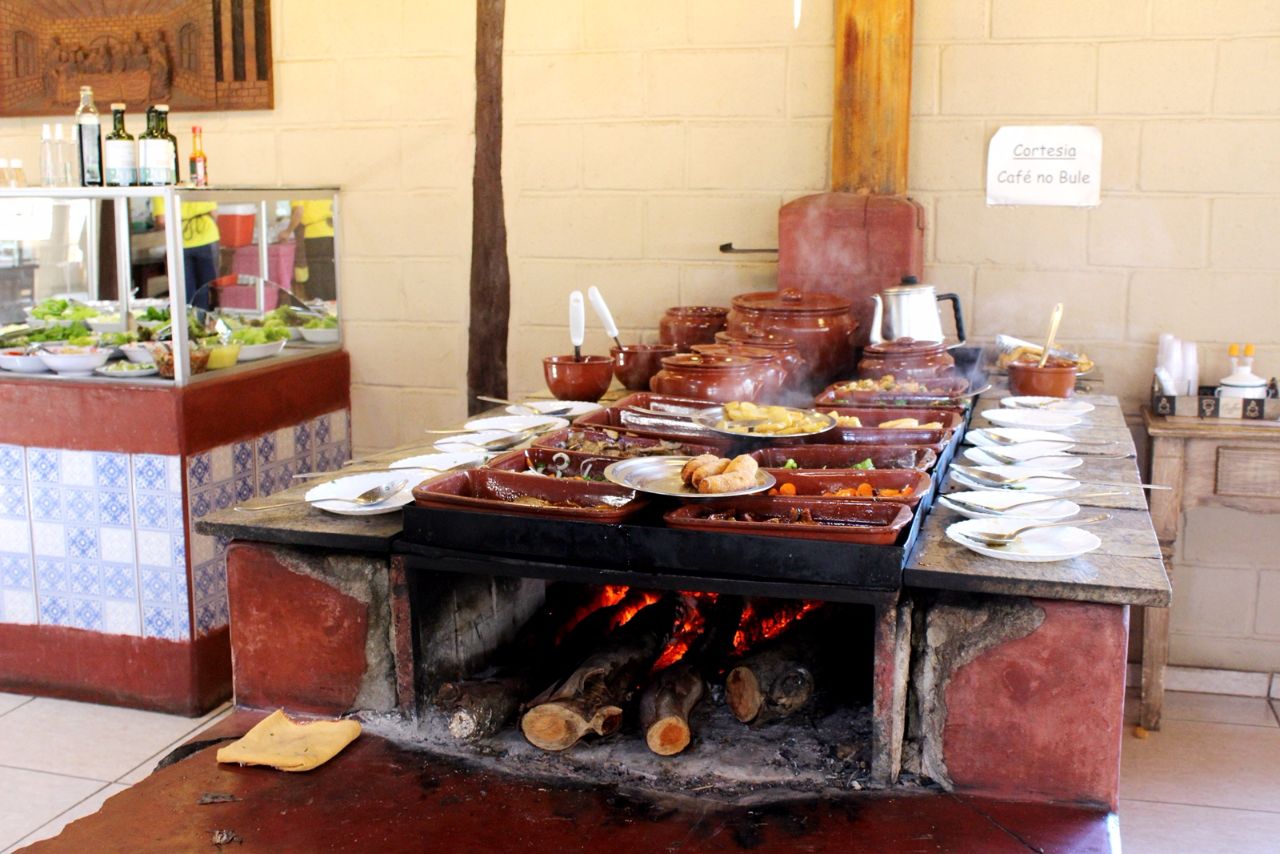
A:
[60,760]
[1208,782]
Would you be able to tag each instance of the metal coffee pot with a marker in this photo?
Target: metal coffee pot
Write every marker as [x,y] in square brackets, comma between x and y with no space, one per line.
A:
[913,313]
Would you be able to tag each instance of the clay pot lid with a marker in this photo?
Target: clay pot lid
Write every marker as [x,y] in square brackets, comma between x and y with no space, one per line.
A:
[906,347]
[756,338]
[792,300]
[700,361]
[698,311]
[732,349]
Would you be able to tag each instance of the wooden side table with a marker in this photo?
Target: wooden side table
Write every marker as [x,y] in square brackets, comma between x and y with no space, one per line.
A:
[1207,462]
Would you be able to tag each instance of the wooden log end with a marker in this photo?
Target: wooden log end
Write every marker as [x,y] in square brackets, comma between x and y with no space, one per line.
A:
[555,726]
[743,694]
[668,736]
[463,724]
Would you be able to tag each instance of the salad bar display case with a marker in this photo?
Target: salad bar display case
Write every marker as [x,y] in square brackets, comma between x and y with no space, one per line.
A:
[120,427]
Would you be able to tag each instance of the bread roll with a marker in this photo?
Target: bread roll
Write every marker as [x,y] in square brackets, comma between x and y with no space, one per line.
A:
[740,473]
[711,469]
[686,473]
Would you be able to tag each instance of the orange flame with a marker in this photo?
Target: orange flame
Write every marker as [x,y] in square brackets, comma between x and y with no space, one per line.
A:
[607,597]
[689,627]
[753,630]
[634,604]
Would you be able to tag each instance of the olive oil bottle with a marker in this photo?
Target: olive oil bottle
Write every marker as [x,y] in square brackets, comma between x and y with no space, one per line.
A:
[120,158]
[89,139]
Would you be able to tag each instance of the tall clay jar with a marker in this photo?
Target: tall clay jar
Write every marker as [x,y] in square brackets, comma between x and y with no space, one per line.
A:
[766,365]
[820,324]
[796,368]
[716,378]
[686,325]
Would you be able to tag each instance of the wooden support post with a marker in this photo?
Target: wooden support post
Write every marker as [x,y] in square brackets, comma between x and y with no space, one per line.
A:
[490,273]
[870,123]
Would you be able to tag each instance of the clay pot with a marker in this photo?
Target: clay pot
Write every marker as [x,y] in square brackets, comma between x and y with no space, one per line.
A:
[635,364]
[784,348]
[906,359]
[587,379]
[820,324]
[686,325]
[715,378]
[766,365]
[1056,379]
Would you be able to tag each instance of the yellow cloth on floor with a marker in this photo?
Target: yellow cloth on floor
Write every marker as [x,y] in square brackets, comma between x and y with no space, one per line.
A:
[281,743]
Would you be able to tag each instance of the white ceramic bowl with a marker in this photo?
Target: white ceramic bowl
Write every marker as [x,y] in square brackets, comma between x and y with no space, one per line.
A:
[19,362]
[253,352]
[75,361]
[320,336]
[139,354]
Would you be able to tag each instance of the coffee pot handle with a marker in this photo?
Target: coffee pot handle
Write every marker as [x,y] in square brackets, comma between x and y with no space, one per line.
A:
[954,299]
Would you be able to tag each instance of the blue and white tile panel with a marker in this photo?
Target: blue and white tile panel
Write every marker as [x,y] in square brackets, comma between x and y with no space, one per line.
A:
[257,467]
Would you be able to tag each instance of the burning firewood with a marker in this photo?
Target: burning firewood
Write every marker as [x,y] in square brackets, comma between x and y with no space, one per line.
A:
[665,706]
[590,700]
[776,681]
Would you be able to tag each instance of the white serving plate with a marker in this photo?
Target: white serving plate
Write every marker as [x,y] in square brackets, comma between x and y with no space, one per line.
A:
[1038,546]
[575,407]
[81,364]
[106,371]
[1047,404]
[517,423]
[1032,484]
[254,352]
[982,437]
[320,336]
[1008,503]
[321,496]
[1057,462]
[1034,418]
[32,364]
[436,463]
[461,443]
[661,476]
[137,353]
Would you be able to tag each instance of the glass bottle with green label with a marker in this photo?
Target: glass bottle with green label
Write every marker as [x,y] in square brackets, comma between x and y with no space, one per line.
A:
[89,139]
[120,159]
[155,154]
[162,128]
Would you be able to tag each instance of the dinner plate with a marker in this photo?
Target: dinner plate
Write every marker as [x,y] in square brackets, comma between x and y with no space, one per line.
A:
[982,437]
[575,407]
[146,371]
[517,423]
[462,442]
[436,463]
[1031,484]
[1008,503]
[1057,462]
[1034,418]
[1037,546]
[711,417]
[1047,404]
[661,476]
[322,496]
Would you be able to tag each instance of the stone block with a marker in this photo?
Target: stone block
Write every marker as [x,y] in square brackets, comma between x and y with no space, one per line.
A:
[436,157]
[1220,536]
[374,418]
[1244,233]
[624,25]
[1045,79]
[417,290]
[541,25]
[1243,65]
[1214,601]
[1017,19]
[1017,302]
[722,88]
[1201,305]
[949,20]
[968,231]
[1149,232]
[1214,17]
[637,291]
[750,156]
[350,157]
[634,156]
[694,226]
[591,86]
[411,355]
[810,83]
[304,91]
[540,157]
[388,224]
[926,61]
[371,89]
[737,22]
[441,26]
[243,157]
[947,155]
[1121,142]
[596,226]
[1146,78]
[719,283]
[1211,156]
[420,410]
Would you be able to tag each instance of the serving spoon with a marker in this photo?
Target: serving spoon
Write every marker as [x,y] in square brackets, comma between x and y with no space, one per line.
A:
[1001,439]
[1013,461]
[369,497]
[995,479]
[957,498]
[995,539]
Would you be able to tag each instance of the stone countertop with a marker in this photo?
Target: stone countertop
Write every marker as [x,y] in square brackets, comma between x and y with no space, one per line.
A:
[1126,569]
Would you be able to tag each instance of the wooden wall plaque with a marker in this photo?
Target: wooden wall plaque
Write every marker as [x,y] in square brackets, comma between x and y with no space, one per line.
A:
[195,55]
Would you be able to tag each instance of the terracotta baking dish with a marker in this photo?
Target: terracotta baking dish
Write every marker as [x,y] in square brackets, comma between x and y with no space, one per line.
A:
[645,424]
[559,441]
[492,491]
[817,484]
[845,456]
[939,387]
[872,523]
[546,459]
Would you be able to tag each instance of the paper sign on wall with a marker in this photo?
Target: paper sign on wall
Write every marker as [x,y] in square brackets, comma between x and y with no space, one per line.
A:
[1045,165]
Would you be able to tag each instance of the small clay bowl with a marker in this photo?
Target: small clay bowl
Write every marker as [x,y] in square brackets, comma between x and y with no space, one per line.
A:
[586,379]
[1056,379]
[635,364]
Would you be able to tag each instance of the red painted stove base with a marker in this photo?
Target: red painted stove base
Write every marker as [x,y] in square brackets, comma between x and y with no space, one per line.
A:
[120,670]
[377,797]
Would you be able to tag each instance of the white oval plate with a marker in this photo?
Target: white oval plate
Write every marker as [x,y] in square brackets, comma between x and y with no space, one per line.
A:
[982,437]
[436,463]
[353,485]
[1048,404]
[254,352]
[460,443]
[1035,418]
[1039,546]
[575,407]
[517,423]
[661,476]
[145,372]
[1031,484]
[1057,462]
[996,503]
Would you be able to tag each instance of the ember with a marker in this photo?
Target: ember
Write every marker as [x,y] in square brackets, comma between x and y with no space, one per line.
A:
[690,625]
[632,605]
[608,596]
[754,628]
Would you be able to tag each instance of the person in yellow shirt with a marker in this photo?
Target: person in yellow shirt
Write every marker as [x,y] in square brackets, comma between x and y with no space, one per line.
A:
[315,218]
[200,238]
